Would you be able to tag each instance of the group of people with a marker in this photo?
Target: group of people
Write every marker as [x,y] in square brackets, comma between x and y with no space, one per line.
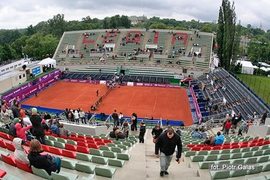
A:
[122,126]
[36,157]
[77,115]
[29,126]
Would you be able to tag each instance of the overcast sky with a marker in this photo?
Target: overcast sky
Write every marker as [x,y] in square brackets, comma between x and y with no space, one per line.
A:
[22,13]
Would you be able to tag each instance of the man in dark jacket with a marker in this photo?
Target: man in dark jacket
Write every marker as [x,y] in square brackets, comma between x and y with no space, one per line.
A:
[166,143]
[156,132]
[37,129]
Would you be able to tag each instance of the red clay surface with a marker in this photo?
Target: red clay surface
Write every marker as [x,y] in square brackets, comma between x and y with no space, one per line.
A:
[165,103]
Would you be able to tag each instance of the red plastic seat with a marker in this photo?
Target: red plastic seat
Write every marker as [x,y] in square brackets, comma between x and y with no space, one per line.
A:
[4,135]
[73,138]
[8,159]
[80,143]
[2,173]
[259,143]
[90,138]
[266,142]
[70,147]
[10,146]
[90,141]
[54,135]
[226,147]
[190,145]
[252,144]
[3,144]
[235,143]
[10,137]
[81,137]
[199,145]
[208,148]
[45,147]
[98,139]
[235,146]
[92,145]
[64,137]
[196,149]
[243,145]
[99,143]
[216,148]
[107,141]
[55,150]
[68,153]
[83,149]
[23,166]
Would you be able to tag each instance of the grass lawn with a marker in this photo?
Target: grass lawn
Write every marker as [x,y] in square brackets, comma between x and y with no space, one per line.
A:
[259,84]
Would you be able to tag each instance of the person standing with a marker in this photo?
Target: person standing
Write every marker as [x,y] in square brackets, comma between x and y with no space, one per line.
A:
[156,132]
[227,127]
[121,119]
[264,116]
[115,118]
[142,132]
[37,129]
[166,144]
[134,122]
[97,92]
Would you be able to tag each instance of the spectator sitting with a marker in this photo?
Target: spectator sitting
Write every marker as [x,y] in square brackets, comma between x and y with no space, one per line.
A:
[125,128]
[204,134]
[19,153]
[196,134]
[46,162]
[55,129]
[63,131]
[112,133]
[21,131]
[119,134]
[219,139]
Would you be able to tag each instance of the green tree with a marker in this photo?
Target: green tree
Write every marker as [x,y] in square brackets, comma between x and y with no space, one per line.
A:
[158,25]
[226,33]
[57,25]
[6,52]
[40,45]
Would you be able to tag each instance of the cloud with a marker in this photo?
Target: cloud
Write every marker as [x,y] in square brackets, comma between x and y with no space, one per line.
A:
[21,14]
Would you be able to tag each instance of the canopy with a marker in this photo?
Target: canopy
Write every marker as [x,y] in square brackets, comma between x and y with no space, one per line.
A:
[48,61]
[247,67]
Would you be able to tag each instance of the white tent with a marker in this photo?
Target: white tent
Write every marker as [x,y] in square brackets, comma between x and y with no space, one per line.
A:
[247,67]
[47,62]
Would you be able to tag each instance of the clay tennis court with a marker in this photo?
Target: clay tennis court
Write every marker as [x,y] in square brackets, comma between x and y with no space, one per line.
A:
[165,103]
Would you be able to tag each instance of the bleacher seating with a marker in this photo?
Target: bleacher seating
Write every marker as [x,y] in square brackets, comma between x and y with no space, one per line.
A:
[173,48]
[82,162]
[238,98]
